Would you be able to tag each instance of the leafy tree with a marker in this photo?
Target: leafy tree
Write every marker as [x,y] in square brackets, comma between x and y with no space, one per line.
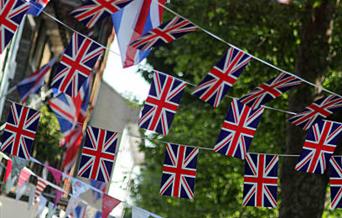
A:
[302,37]
[47,140]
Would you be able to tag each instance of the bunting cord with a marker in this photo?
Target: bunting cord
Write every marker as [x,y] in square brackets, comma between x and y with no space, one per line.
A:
[209,33]
[162,141]
[202,29]
[252,56]
[210,149]
[56,187]
[232,97]
[167,142]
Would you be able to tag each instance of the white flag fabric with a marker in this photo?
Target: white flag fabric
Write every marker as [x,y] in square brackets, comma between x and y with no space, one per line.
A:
[78,187]
[73,202]
[20,191]
[10,183]
[52,210]
[138,212]
[30,190]
[41,206]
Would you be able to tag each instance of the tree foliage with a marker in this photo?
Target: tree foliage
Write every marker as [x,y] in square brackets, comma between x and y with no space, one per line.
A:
[266,29]
[48,137]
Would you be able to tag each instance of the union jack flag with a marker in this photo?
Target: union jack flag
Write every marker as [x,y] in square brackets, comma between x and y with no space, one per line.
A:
[238,130]
[67,110]
[37,6]
[162,103]
[12,13]
[33,83]
[322,108]
[222,77]
[82,99]
[134,20]
[72,142]
[319,145]
[270,90]
[165,33]
[335,181]
[94,10]
[179,171]
[260,180]
[98,154]
[76,64]
[20,131]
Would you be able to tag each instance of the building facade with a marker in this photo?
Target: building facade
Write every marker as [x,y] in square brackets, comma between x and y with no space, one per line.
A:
[37,41]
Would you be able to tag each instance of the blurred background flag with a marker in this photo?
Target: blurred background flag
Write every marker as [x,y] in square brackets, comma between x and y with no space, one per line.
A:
[133,21]
[37,6]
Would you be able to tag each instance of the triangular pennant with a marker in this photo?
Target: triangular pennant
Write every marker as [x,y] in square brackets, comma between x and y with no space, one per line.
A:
[108,204]
[20,191]
[41,185]
[30,191]
[41,206]
[57,175]
[24,176]
[138,212]
[58,196]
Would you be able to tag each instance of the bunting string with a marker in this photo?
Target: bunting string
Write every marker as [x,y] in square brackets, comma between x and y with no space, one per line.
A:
[254,57]
[56,187]
[193,150]
[209,33]
[167,142]
[205,31]
[159,140]
[232,97]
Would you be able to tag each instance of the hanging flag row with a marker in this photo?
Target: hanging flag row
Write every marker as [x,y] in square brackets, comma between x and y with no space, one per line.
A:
[237,132]
[98,152]
[146,32]
[238,129]
[75,207]
[81,55]
[166,92]
[260,187]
